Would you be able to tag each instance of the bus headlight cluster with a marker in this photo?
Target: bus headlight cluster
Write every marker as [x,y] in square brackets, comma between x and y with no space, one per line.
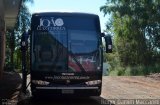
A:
[95,82]
[40,82]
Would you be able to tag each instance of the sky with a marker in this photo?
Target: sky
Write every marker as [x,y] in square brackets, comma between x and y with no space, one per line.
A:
[87,6]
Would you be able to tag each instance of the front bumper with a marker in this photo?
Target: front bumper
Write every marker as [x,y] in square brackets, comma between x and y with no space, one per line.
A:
[72,91]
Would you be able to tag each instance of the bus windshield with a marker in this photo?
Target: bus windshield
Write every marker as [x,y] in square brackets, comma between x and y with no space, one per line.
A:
[63,51]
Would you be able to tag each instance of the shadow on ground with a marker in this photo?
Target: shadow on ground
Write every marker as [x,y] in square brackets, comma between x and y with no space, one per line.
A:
[10,85]
[65,101]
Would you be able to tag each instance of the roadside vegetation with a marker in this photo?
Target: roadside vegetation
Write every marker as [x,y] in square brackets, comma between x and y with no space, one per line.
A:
[13,37]
[135,71]
[135,27]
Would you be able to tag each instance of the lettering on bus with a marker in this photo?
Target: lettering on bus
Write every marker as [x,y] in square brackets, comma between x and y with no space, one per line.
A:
[51,24]
[67,77]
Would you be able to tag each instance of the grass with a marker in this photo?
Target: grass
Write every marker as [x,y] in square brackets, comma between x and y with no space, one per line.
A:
[135,71]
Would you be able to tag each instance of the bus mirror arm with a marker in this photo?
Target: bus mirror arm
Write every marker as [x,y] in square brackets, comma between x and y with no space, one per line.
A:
[102,34]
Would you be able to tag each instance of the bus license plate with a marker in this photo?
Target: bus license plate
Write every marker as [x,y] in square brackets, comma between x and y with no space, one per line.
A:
[67,91]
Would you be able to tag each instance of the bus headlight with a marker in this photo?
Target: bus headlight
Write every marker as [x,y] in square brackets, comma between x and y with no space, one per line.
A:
[95,82]
[40,82]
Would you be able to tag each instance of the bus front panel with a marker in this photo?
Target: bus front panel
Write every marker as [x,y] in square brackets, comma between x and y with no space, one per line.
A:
[65,56]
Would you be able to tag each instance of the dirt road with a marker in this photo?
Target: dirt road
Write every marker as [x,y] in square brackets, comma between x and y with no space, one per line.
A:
[135,87]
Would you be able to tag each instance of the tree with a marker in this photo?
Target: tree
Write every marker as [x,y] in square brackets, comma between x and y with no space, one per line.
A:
[22,24]
[136,26]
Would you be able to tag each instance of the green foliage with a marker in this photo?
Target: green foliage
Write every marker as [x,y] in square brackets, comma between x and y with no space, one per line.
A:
[135,70]
[13,52]
[135,25]
[24,16]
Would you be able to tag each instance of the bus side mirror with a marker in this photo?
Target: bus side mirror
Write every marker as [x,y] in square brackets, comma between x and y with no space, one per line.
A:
[24,40]
[108,43]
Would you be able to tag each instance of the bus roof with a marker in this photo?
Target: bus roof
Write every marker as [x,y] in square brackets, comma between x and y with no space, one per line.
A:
[64,14]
